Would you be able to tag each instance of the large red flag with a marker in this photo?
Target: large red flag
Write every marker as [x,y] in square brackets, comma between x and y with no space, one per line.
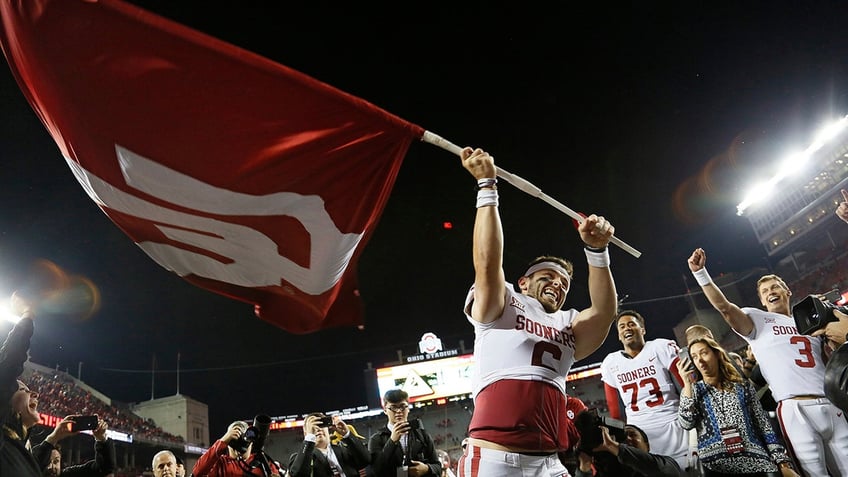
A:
[241,175]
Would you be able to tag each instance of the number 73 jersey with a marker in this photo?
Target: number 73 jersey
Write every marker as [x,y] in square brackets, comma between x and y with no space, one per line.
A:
[645,383]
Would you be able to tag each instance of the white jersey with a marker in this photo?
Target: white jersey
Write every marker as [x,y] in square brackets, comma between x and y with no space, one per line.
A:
[525,342]
[645,383]
[791,363]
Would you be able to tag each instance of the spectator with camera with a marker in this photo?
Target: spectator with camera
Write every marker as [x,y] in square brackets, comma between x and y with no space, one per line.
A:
[18,404]
[793,366]
[403,447]
[836,372]
[817,317]
[232,456]
[734,433]
[319,457]
[49,456]
[602,455]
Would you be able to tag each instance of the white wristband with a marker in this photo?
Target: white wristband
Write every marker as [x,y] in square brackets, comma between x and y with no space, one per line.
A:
[486,197]
[598,259]
[702,276]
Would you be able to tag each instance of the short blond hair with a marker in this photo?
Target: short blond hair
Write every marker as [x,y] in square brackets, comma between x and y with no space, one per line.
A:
[774,277]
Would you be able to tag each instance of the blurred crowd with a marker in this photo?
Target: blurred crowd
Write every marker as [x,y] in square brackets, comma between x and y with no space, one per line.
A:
[60,396]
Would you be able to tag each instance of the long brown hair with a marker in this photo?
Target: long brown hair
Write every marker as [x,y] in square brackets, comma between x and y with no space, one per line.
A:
[727,373]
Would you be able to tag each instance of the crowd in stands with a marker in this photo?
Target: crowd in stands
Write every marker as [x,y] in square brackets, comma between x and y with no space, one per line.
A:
[825,272]
[60,396]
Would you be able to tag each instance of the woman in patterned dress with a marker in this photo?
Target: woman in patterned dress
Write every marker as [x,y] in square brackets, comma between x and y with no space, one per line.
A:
[734,434]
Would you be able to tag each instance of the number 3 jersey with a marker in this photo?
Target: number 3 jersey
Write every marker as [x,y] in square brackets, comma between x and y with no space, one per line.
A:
[644,383]
[791,363]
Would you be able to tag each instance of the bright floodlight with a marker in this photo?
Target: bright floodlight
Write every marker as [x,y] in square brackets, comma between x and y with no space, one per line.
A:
[792,164]
[757,193]
[7,315]
[827,133]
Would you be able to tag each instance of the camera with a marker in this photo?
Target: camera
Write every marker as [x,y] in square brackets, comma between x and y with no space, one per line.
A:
[588,424]
[415,424]
[241,444]
[83,423]
[262,423]
[326,421]
[813,313]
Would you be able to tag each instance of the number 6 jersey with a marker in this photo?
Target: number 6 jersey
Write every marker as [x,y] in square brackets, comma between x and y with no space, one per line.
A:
[521,360]
[525,343]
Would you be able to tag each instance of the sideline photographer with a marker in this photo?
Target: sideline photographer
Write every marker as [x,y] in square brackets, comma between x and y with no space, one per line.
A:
[628,456]
[319,457]
[403,447]
[233,455]
[817,316]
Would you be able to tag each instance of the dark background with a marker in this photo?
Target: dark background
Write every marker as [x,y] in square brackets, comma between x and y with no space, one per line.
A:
[653,115]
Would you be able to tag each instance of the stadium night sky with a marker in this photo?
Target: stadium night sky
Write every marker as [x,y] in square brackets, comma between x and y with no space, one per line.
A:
[653,116]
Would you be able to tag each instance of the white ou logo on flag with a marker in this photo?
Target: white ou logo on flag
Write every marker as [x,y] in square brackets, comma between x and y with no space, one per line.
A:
[255,261]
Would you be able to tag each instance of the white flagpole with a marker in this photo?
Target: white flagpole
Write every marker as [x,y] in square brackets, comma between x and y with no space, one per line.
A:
[178,372]
[525,186]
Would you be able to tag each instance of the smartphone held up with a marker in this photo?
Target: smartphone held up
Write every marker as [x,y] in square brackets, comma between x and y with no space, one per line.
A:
[83,423]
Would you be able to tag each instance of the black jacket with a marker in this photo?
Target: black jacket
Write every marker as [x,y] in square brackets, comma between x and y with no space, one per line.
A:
[15,458]
[633,462]
[102,465]
[311,462]
[836,378]
[387,455]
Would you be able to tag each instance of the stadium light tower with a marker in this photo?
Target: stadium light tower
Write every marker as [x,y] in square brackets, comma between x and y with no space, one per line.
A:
[791,165]
[7,315]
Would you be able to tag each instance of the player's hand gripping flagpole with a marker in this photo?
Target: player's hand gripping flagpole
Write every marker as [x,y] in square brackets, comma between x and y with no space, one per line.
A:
[527,187]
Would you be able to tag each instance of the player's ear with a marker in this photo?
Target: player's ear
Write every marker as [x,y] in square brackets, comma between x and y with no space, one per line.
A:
[522,283]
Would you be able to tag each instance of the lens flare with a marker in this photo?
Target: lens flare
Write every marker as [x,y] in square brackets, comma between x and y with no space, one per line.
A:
[79,300]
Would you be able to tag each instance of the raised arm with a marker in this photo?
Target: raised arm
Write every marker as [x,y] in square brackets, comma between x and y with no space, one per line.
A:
[489,281]
[732,314]
[13,351]
[592,325]
[842,210]
[689,412]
